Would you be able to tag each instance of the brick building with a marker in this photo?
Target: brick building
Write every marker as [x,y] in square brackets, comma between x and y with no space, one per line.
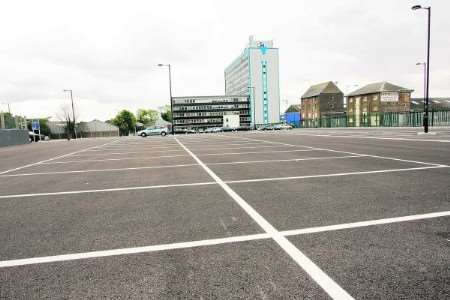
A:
[319,101]
[367,106]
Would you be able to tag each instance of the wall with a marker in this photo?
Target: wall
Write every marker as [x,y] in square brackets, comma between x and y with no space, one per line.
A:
[9,137]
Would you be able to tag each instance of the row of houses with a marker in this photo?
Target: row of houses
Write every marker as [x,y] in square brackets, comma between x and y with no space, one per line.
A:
[324,105]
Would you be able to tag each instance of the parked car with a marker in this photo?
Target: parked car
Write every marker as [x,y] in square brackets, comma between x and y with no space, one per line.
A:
[34,137]
[286,126]
[266,127]
[282,127]
[163,131]
[185,131]
[213,129]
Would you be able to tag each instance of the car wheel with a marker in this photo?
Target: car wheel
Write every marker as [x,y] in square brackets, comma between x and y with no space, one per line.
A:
[143,134]
[163,133]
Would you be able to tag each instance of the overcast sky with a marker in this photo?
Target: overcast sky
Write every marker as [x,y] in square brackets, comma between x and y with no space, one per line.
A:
[106,51]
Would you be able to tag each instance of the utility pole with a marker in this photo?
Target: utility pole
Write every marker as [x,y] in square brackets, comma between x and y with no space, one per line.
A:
[427,90]
[73,113]
[170,93]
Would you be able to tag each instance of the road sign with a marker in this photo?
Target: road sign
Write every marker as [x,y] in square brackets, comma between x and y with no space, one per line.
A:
[35,125]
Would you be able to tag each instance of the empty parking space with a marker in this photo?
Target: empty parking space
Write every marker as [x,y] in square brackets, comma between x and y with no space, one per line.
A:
[104,165]
[309,202]
[407,260]
[342,214]
[60,183]
[251,270]
[308,167]
[62,224]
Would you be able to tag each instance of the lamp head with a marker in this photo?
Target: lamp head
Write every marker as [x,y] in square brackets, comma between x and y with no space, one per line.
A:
[416,7]
[160,65]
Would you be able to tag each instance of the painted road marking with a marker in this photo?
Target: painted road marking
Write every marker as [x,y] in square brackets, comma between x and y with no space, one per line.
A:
[322,279]
[354,153]
[210,242]
[51,159]
[334,174]
[132,188]
[98,170]
[228,182]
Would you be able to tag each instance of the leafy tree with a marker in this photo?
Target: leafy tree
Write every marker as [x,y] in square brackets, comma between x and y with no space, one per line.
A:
[148,117]
[166,114]
[65,114]
[126,121]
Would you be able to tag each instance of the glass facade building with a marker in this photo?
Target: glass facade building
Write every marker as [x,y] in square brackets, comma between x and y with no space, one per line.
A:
[201,112]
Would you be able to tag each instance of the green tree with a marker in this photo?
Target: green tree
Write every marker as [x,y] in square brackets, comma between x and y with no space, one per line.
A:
[166,114]
[126,121]
[148,117]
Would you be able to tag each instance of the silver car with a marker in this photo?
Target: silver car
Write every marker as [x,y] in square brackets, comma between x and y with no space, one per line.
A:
[163,131]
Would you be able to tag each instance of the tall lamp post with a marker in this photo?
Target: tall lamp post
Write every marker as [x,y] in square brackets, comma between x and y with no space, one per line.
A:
[252,97]
[424,81]
[73,113]
[427,80]
[170,93]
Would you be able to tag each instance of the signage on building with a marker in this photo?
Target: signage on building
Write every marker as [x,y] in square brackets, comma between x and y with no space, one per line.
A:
[389,97]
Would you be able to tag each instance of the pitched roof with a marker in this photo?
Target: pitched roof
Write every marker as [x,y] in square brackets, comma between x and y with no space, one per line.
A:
[378,87]
[322,88]
[293,108]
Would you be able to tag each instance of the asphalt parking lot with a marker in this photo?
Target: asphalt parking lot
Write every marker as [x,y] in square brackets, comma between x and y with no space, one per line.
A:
[300,214]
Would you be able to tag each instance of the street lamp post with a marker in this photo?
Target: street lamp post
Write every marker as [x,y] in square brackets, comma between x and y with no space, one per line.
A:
[170,93]
[73,113]
[424,82]
[427,81]
[252,97]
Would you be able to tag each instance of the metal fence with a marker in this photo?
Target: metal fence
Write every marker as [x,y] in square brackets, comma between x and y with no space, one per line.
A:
[385,119]
[8,121]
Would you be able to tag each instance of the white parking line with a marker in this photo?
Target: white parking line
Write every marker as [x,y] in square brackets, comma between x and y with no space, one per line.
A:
[118,149]
[98,170]
[51,159]
[132,188]
[212,182]
[334,174]
[365,223]
[211,242]
[354,153]
[112,159]
[322,279]
[125,153]
[258,152]
[124,251]
[244,147]
[283,160]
